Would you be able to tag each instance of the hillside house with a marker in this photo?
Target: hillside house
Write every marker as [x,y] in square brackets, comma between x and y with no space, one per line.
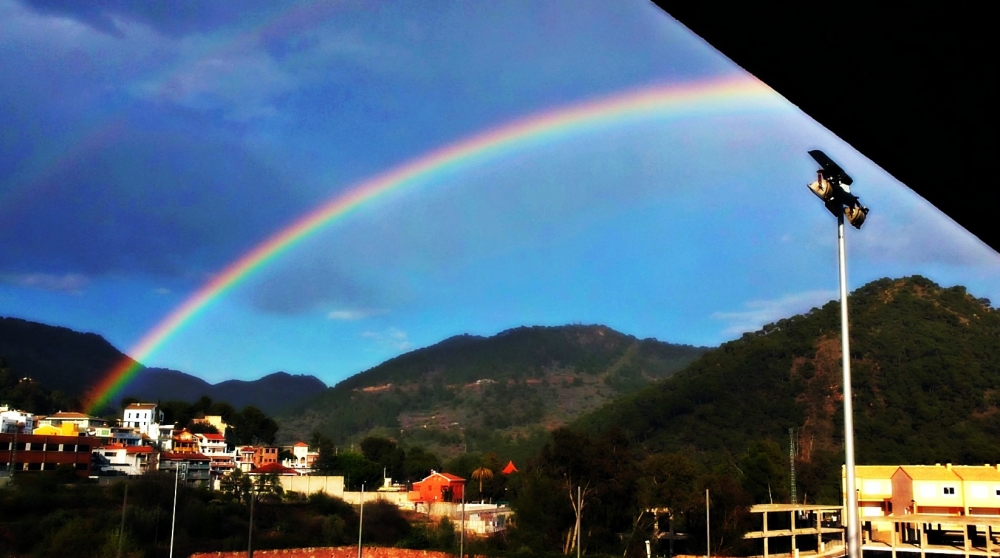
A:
[198,467]
[83,422]
[184,442]
[254,457]
[31,452]
[12,420]
[302,459]
[214,421]
[438,487]
[145,417]
[121,459]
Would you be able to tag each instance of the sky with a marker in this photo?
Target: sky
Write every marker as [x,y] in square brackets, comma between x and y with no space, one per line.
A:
[145,148]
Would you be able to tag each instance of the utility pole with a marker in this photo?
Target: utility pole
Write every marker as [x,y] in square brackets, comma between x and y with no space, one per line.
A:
[461,538]
[179,469]
[250,533]
[121,531]
[708,532]
[361,516]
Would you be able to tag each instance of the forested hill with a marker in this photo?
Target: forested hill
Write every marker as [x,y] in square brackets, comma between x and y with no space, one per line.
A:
[63,364]
[925,372]
[528,378]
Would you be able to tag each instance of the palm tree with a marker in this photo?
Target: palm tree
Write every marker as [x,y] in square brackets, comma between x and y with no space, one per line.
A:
[480,474]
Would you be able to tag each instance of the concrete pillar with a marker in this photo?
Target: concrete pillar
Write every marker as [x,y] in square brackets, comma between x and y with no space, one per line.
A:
[819,532]
[766,537]
[794,548]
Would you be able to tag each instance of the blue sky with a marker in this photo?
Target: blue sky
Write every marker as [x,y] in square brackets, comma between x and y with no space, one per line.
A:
[142,149]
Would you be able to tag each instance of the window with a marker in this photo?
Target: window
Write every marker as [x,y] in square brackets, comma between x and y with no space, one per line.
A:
[949,491]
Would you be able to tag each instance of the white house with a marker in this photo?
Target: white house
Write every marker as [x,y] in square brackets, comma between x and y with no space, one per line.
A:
[130,460]
[302,459]
[146,417]
[12,420]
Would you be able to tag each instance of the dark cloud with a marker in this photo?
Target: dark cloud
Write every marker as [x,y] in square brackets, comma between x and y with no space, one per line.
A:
[309,283]
[164,202]
[177,17]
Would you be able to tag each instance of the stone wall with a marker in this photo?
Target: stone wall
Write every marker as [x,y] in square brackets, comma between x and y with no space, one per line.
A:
[330,552]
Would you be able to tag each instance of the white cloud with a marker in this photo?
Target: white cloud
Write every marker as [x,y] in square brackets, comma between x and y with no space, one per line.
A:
[356,314]
[68,282]
[162,291]
[761,312]
[392,337]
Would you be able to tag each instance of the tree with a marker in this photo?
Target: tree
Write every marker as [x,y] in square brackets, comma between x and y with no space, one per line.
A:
[251,426]
[267,487]
[480,474]
[237,484]
[384,453]
[419,463]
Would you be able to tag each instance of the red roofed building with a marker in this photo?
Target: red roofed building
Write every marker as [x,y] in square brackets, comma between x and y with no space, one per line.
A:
[33,452]
[438,487]
[509,469]
[302,459]
[198,466]
[122,459]
[273,468]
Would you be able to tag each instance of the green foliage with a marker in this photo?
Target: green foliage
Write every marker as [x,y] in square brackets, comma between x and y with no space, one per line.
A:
[29,395]
[490,384]
[925,366]
[385,454]
[251,426]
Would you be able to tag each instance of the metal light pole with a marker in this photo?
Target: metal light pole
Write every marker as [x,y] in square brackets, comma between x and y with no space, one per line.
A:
[250,533]
[833,187]
[121,531]
[361,518]
[708,527]
[179,469]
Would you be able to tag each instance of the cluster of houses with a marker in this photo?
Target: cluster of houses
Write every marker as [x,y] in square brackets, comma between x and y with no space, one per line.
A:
[140,442]
[137,443]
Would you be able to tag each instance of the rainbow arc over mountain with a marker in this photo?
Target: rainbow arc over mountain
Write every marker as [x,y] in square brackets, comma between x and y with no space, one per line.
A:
[740,94]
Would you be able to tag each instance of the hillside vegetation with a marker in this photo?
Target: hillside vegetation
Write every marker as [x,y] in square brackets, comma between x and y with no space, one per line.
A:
[478,391]
[63,364]
[925,373]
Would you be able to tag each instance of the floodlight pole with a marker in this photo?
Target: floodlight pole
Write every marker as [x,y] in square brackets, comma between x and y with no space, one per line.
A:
[853,548]
[361,518]
[179,469]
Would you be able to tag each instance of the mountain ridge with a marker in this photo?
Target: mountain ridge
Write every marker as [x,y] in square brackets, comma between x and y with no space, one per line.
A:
[925,365]
[516,383]
[69,361]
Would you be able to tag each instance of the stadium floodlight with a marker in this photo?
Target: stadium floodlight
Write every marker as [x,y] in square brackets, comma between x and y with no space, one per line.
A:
[833,186]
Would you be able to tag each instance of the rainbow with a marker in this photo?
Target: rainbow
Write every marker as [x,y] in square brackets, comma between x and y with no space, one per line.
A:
[733,94]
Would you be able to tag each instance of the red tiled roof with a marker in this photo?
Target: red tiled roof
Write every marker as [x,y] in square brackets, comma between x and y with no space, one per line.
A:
[301,445]
[141,406]
[167,456]
[209,436]
[510,468]
[69,415]
[112,447]
[448,476]
[273,468]
[138,449]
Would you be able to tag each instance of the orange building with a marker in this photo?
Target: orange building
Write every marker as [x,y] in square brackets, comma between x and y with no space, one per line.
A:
[438,487]
[31,452]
